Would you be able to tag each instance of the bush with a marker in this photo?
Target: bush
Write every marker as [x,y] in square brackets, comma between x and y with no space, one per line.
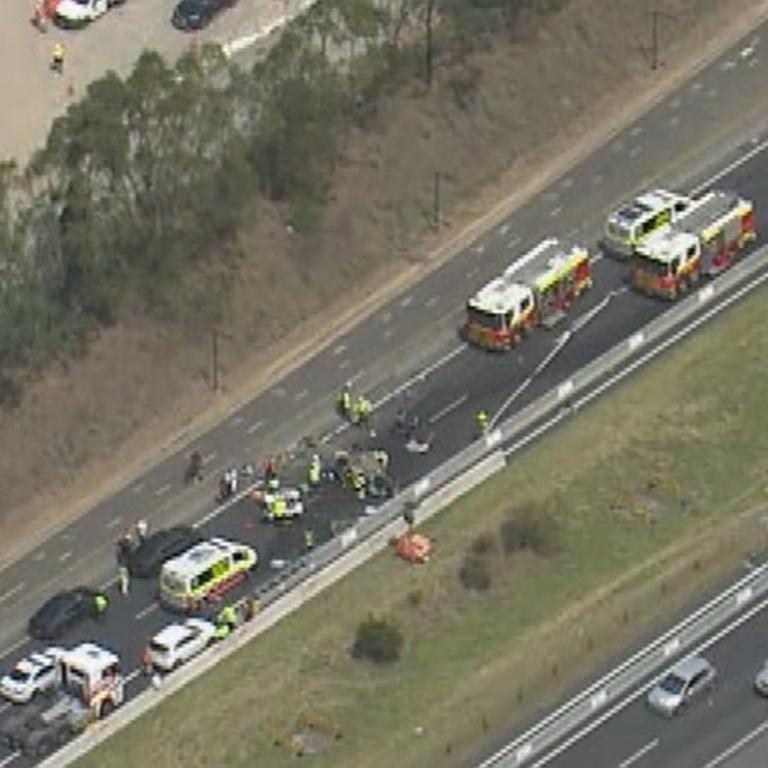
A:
[533,530]
[475,573]
[485,544]
[378,640]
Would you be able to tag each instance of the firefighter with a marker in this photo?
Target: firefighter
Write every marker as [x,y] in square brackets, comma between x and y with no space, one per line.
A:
[195,468]
[309,539]
[314,471]
[358,484]
[361,410]
[382,459]
[344,400]
[222,631]
[481,420]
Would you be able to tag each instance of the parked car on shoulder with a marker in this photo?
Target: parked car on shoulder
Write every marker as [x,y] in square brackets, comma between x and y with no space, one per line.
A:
[63,611]
[178,643]
[37,673]
[147,559]
[685,682]
[75,14]
[197,14]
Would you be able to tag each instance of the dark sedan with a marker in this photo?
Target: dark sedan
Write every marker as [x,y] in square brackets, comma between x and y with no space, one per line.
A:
[196,14]
[63,611]
[146,560]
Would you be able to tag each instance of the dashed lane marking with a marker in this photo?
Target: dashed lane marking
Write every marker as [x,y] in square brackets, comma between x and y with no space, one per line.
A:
[114,521]
[344,364]
[146,611]
[236,422]
[597,179]
[479,249]
[38,557]
[11,592]
[452,406]
[503,229]
[63,558]
[255,427]
[556,211]
[301,395]
[163,489]
[406,301]
[209,457]
[513,242]
[138,488]
[339,349]
[635,151]
[674,121]
[431,302]
[642,752]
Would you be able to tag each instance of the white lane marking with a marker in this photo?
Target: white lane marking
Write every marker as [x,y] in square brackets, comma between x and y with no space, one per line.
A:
[8,760]
[114,521]
[635,756]
[635,151]
[756,150]
[386,317]
[138,488]
[406,301]
[301,395]
[208,458]
[513,242]
[163,489]
[556,211]
[344,364]
[712,93]
[479,249]
[39,557]
[617,146]
[388,334]
[636,131]
[753,62]
[63,558]
[278,391]
[15,647]
[11,592]
[257,425]
[472,272]
[697,86]
[674,120]
[726,66]
[642,688]
[452,406]
[745,53]
[566,183]
[674,104]
[236,422]
[737,746]
[132,676]
[146,611]
[339,349]
[431,302]
[503,229]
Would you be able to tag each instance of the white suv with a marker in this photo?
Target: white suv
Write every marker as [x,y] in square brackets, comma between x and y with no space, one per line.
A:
[35,674]
[178,643]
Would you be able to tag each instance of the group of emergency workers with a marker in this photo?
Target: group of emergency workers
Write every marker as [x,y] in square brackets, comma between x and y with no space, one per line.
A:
[125,545]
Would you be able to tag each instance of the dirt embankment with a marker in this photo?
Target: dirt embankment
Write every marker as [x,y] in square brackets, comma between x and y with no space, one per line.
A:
[489,125]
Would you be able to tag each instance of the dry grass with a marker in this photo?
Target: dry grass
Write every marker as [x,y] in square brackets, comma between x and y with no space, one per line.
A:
[645,522]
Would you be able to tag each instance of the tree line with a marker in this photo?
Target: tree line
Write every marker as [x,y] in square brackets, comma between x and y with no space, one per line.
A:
[146,175]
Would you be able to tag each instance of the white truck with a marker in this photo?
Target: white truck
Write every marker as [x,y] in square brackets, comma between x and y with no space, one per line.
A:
[90,686]
[75,14]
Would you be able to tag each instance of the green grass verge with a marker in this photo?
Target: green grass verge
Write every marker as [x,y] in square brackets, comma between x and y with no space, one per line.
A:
[652,494]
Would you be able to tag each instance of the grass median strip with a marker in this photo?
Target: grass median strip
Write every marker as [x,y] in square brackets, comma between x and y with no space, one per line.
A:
[583,544]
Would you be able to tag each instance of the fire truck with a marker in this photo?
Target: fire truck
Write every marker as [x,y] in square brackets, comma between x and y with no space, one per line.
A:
[631,224]
[705,241]
[536,289]
[90,685]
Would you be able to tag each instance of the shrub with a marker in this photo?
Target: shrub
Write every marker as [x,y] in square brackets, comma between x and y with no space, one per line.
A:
[530,529]
[378,640]
[485,544]
[475,573]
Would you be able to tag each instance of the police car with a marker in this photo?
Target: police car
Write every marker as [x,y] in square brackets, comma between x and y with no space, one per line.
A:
[178,643]
[35,674]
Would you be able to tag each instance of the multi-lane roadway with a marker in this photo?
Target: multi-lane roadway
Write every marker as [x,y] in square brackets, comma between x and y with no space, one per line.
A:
[407,354]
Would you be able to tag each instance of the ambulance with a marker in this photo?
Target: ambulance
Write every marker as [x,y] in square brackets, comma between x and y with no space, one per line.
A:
[635,221]
[706,240]
[536,289]
[204,573]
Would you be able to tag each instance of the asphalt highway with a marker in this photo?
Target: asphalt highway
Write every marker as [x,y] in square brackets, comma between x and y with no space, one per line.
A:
[408,355]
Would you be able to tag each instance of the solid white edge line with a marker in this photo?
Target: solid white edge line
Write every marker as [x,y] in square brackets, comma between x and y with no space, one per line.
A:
[745,158]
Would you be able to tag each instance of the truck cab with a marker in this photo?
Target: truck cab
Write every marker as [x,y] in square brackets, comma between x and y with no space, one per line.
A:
[667,264]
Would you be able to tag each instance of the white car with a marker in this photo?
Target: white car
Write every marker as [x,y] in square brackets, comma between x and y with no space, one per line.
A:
[178,643]
[35,674]
[72,14]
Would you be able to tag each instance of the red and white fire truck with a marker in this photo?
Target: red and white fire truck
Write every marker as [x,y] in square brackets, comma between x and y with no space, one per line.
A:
[536,289]
[706,239]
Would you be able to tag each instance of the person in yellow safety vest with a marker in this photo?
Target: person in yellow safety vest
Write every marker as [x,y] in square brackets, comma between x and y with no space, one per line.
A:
[278,508]
[227,615]
[309,539]
[313,473]
[362,410]
[345,400]
[222,631]
[358,484]
[481,419]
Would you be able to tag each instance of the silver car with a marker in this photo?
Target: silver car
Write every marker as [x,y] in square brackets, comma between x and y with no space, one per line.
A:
[761,681]
[685,681]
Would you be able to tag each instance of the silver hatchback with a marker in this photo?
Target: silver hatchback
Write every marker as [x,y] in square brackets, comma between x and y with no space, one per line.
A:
[687,680]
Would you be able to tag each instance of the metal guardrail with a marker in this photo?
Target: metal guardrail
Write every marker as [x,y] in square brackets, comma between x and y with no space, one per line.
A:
[632,672]
[305,574]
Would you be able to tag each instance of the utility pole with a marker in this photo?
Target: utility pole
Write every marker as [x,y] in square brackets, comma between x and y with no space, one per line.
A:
[436,201]
[429,53]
